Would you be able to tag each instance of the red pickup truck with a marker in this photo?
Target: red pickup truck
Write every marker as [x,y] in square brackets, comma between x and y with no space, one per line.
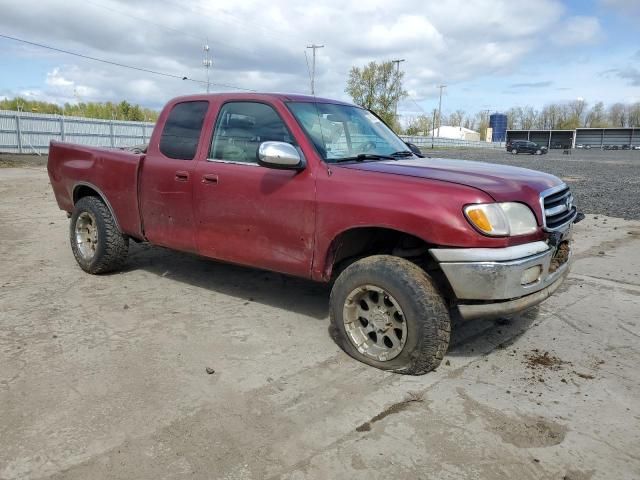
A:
[323,189]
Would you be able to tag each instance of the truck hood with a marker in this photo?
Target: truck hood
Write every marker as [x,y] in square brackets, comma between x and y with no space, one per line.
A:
[502,182]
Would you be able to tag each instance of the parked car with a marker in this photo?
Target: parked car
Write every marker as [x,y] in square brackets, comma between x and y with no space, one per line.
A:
[322,189]
[556,145]
[525,146]
[636,147]
[626,147]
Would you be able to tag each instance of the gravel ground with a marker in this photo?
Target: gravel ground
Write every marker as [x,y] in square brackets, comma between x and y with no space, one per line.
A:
[606,183]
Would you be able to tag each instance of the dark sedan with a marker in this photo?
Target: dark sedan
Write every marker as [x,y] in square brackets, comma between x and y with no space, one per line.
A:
[525,146]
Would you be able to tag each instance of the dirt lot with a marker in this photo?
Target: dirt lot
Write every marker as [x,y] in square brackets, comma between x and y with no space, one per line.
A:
[104,377]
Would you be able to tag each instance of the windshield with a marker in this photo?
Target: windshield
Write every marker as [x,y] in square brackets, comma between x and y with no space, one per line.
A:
[344,131]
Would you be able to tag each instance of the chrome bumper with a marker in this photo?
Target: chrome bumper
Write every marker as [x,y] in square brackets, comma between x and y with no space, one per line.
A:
[492,282]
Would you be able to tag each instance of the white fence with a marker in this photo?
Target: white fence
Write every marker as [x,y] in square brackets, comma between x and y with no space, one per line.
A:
[440,142]
[25,132]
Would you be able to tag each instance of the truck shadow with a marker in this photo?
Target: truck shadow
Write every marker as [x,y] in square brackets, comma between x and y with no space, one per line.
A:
[249,284]
[475,337]
[468,338]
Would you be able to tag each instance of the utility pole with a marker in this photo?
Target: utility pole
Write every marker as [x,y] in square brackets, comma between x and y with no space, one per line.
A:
[433,126]
[314,47]
[440,109]
[206,61]
[397,62]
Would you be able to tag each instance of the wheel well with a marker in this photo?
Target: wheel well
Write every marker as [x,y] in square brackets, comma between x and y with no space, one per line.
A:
[84,191]
[365,241]
[360,242]
[81,191]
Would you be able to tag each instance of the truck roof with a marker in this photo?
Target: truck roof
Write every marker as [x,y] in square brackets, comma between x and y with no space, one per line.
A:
[285,97]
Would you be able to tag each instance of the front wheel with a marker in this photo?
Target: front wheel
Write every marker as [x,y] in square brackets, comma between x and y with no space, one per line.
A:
[514,152]
[96,242]
[387,312]
[538,152]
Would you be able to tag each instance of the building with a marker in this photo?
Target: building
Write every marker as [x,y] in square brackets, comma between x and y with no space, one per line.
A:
[592,137]
[459,133]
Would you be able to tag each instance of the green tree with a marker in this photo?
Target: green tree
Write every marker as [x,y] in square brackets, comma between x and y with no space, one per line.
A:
[122,111]
[377,87]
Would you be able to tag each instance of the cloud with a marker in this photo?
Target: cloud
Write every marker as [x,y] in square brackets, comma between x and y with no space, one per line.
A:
[624,6]
[578,30]
[261,46]
[630,73]
[543,84]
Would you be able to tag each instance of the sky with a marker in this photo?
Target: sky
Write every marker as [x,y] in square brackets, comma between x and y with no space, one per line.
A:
[491,54]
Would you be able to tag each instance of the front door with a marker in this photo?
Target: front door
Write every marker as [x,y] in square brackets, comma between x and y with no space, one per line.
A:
[246,213]
[167,179]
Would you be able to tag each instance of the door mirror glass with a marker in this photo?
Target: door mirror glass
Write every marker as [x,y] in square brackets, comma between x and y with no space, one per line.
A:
[280,155]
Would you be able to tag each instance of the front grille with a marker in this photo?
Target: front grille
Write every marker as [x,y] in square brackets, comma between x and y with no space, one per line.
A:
[557,207]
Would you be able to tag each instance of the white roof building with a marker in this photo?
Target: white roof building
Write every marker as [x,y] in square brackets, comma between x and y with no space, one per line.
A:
[459,133]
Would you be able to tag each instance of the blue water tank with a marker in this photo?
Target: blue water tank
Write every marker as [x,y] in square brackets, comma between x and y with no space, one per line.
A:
[498,122]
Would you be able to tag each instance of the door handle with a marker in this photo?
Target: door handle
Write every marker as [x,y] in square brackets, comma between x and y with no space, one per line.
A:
[182,176]
[210,178]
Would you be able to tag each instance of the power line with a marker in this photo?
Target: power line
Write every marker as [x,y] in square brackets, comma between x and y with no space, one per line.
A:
[145,20]
[130,67]
[182,33]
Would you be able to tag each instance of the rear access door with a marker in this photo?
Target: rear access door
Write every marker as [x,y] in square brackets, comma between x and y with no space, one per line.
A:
[167,178]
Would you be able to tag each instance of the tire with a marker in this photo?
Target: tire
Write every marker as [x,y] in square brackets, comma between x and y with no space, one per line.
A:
[514,152]
[404,288]
[538,152]
[104,248]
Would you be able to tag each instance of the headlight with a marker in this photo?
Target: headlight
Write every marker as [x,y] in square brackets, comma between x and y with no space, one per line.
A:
[501,219]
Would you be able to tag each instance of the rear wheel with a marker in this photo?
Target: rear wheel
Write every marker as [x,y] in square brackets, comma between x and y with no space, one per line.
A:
[387,312]
[96,242]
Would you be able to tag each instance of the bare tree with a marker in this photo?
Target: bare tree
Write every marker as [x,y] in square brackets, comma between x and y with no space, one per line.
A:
[617,114]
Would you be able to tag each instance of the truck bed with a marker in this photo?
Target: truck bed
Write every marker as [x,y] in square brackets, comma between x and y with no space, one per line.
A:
[111,174]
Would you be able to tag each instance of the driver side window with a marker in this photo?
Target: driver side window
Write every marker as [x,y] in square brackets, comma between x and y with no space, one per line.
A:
[241,128]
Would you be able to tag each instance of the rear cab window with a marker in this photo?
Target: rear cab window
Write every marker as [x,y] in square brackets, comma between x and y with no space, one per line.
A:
[181,133]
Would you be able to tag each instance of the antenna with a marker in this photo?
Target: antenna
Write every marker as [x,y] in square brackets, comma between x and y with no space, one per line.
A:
[314,47]
[206,62]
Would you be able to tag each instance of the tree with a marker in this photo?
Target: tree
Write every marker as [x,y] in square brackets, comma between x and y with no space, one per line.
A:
[596,117]
[121,111]
[420,125]
[617,115]
[377,87]
[456,118]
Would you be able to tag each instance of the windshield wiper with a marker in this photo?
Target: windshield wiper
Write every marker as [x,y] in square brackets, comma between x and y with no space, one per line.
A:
[361,157]
[402,154]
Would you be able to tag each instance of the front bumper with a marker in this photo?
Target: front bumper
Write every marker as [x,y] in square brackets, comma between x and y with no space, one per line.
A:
[490,282]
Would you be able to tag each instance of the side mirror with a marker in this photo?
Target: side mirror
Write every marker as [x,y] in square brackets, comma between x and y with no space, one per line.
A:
[414,149]
[280,155]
